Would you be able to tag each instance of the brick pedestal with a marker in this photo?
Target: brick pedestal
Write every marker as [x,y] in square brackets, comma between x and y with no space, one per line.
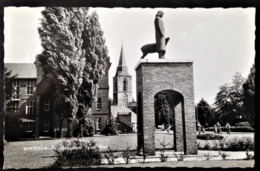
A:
[175,77]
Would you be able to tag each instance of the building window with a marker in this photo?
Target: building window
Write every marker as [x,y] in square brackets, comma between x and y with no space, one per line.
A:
[46,105]
[98,124]
[16,90]
[29,88]
[99,104]
[15,106]
[29,108]
[125,85]
[46,126]
[28,127]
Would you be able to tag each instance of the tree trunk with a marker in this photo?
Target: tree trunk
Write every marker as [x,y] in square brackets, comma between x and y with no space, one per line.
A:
[61,134]
[70,131]
[81,130]
[81,124]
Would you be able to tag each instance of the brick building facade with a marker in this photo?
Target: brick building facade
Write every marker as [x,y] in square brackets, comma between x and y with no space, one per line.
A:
[33,103]
[24,86]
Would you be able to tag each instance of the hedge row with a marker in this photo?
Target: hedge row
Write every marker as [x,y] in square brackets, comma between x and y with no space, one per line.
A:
[233,129]
[210,137]
[234,144]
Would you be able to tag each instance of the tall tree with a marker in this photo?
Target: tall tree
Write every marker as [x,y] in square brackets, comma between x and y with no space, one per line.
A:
[62,59]
[96,62]
[11,118]
[72,57]
[204,112]
[249,96]
[8,88]
[229,105]
[96,58]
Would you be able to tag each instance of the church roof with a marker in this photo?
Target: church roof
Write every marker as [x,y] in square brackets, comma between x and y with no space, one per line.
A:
[122,58]
[122,68]
[123,110]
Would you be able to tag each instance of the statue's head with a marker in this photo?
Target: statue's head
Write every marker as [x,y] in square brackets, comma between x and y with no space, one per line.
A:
[160,13]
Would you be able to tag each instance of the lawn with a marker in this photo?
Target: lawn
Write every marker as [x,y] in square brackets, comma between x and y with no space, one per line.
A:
[17,156]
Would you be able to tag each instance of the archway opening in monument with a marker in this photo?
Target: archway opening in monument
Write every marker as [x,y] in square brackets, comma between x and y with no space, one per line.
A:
[168,109]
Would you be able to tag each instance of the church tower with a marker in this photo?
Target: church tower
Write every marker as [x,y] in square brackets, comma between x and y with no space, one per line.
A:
[122,83]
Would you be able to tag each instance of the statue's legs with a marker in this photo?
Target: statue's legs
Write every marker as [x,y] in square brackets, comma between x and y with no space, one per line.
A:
[161,54]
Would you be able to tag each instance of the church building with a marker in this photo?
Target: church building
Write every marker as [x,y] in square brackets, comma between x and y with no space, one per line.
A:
[123,108]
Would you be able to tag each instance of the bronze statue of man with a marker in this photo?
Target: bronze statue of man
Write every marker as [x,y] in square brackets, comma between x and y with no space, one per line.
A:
[160,34]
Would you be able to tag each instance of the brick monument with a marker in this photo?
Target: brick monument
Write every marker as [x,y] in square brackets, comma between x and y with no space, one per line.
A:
[174,78]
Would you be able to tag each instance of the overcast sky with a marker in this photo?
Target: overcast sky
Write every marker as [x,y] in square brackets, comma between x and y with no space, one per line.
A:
[220,41]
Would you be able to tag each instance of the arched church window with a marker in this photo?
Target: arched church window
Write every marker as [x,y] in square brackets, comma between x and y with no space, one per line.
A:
[125,84]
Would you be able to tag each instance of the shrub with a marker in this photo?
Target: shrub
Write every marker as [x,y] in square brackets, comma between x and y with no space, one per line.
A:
[208,156]
[180,157]
[240,144]
[222,143]
[234,129]
[74,152]
[198,144]
[12,127]
[110,156]
[224,155]
[234,144]
[88,127]
[110,129]
[163,157]
[209,137]
[207,145]
[127,155]
[215,145]
[248,155]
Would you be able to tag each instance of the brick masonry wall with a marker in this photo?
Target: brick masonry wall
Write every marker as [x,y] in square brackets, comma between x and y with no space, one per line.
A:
[103,94]
[139,90]
[104,121]
[155,77]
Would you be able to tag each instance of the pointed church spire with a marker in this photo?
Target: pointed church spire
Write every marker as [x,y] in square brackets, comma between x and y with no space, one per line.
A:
[122,68]
[122,57]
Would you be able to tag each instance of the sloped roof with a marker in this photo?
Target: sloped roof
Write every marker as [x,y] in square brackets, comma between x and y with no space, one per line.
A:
[122,58]
[23,70]
[122,67]
[122,110]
